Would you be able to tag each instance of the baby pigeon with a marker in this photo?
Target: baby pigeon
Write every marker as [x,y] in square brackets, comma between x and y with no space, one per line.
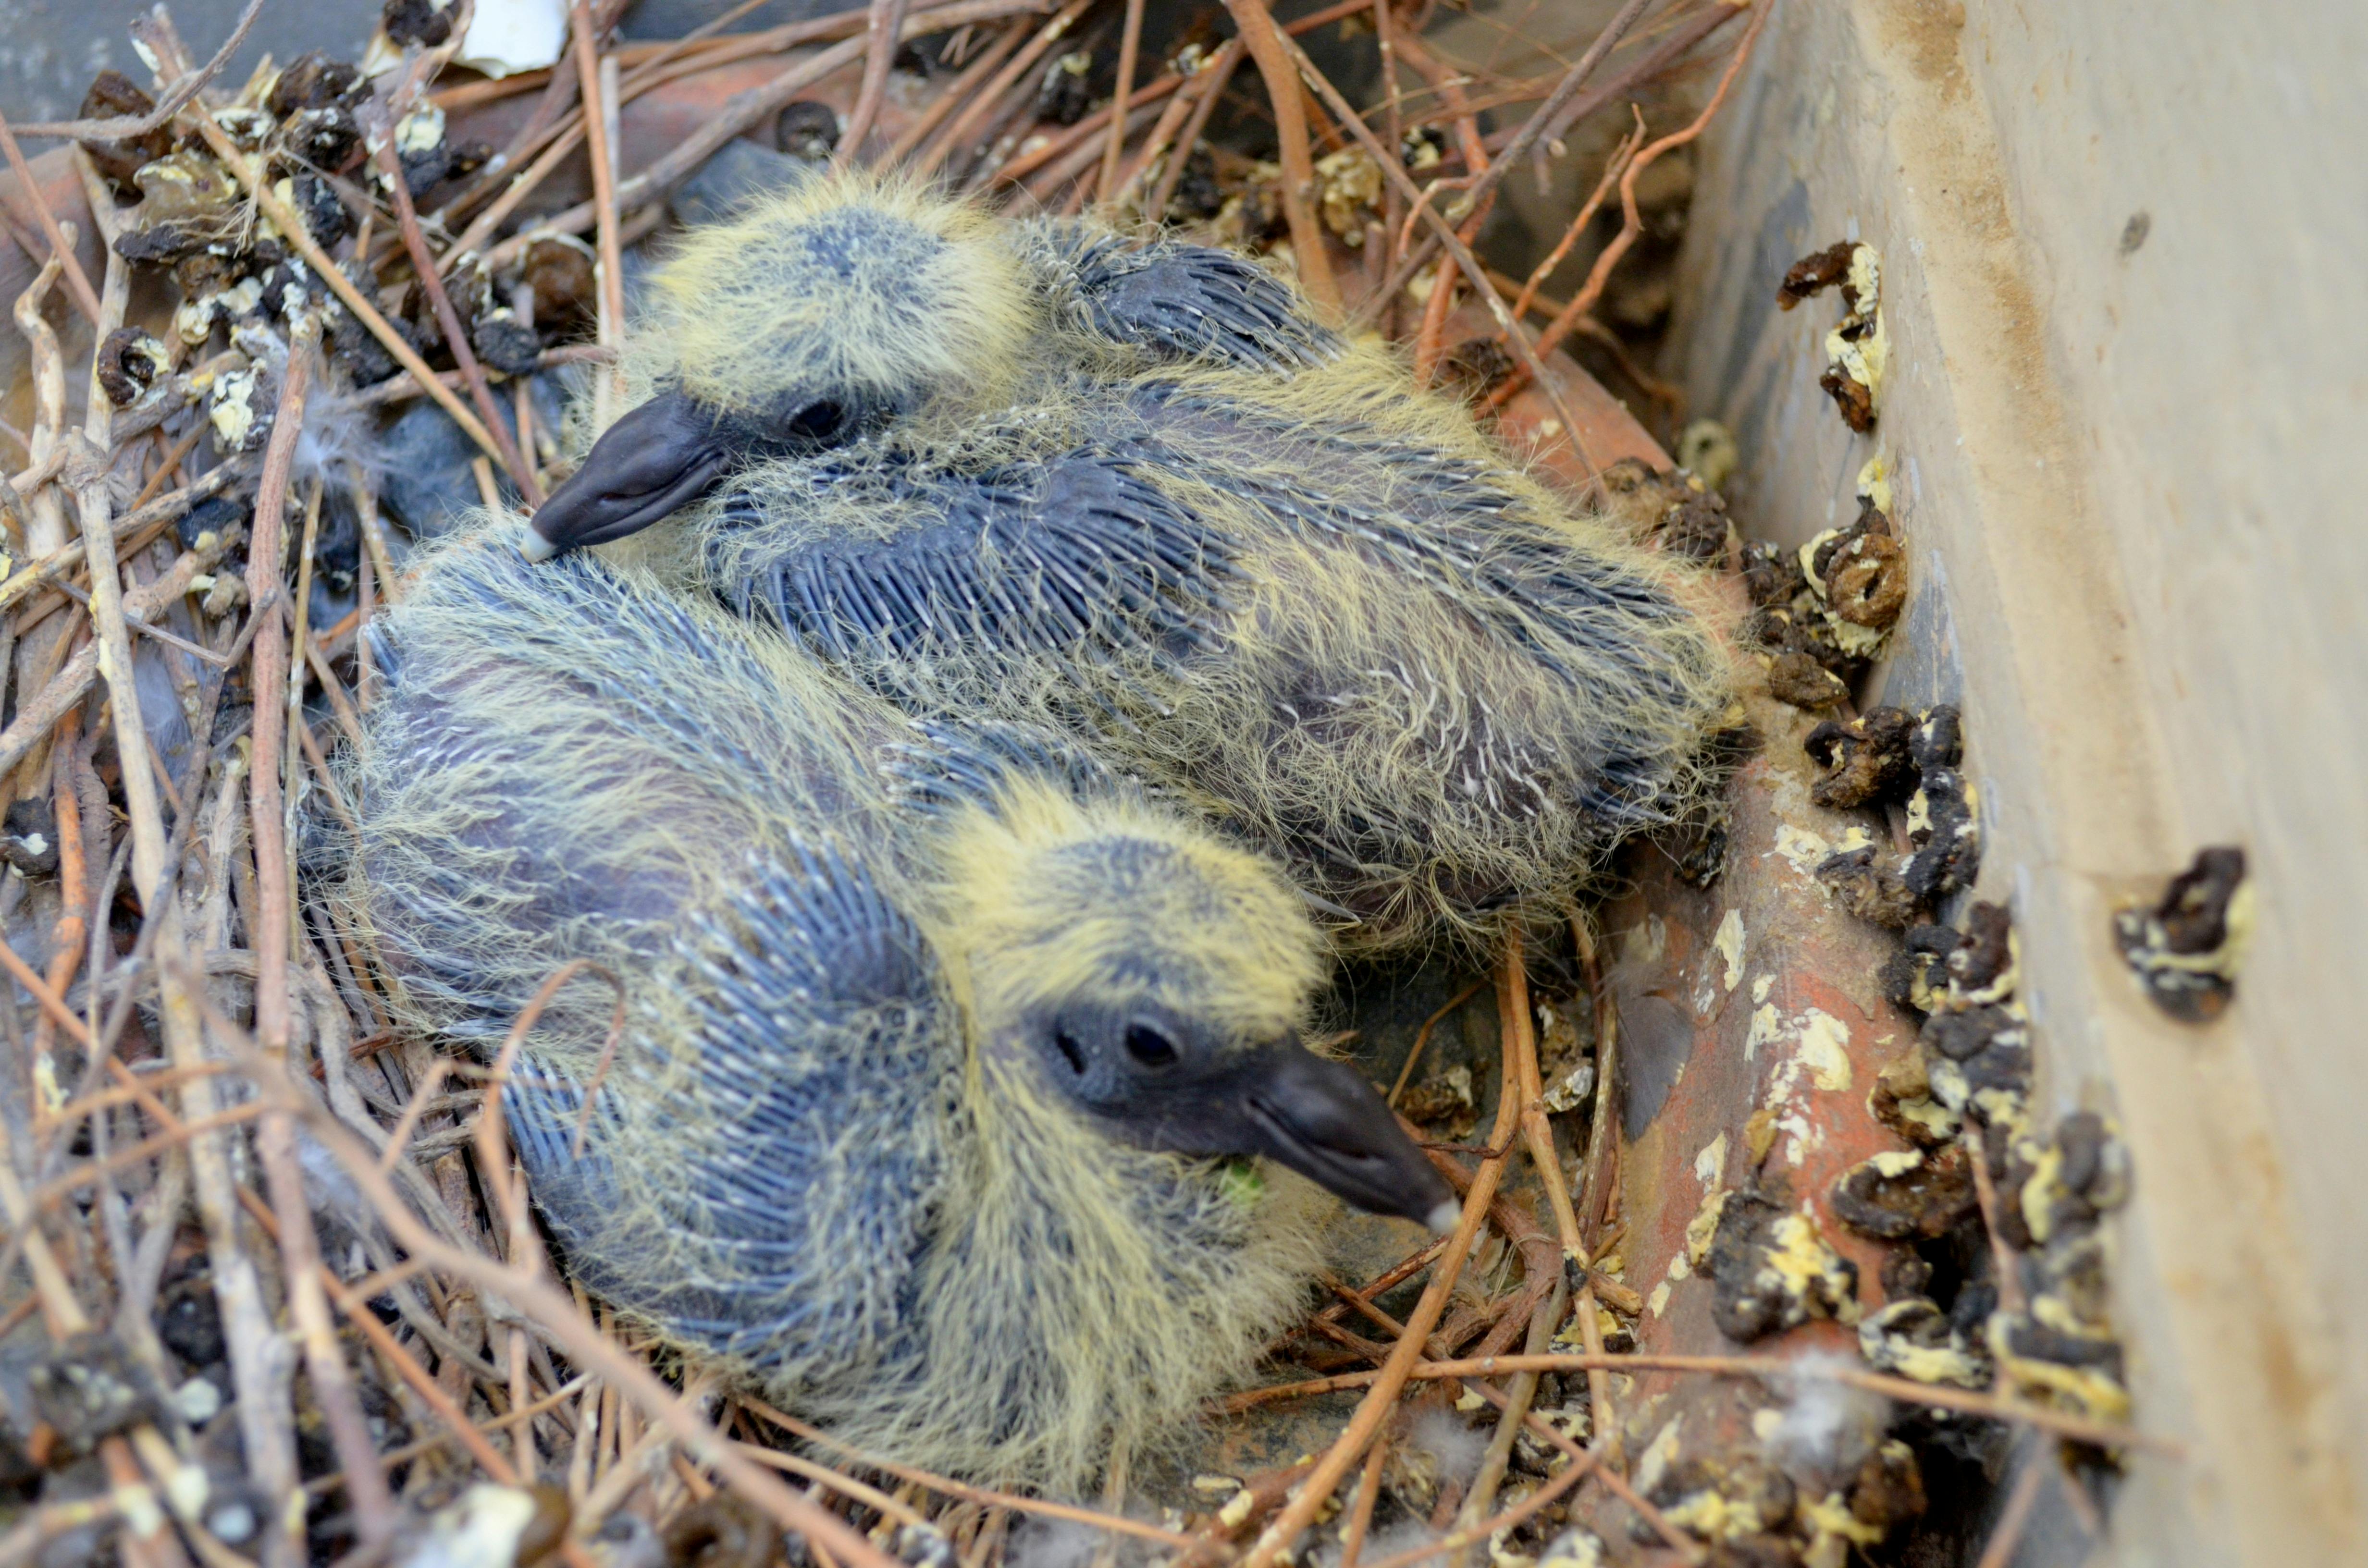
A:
[936,1041]
[1138,493]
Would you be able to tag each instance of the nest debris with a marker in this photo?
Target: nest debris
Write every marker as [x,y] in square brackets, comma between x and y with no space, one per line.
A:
[271,1290]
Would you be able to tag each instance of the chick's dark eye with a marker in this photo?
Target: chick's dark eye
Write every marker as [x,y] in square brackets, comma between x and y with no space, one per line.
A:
[817,421]
[1067,1044]
[1149,1047]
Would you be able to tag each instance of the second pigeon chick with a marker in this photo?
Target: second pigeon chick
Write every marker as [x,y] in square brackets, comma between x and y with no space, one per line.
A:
[1026,469]
[935,1042]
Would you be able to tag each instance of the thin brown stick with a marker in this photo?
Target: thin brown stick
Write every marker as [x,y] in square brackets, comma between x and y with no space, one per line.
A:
[886,18]
[1469,212]
[983,103]
[2100,1434]
[1180,105]
[592,1350]
[1598,1459]
[1369,1490]
[1472,270]
[1632,222]
[60,563]
[1533,129]
[586,46]
[1536,1502]
[1422,1037]
[62,245]
[1274,56]
[1217,73]
[2006,1536]
[1130,44]
[1381,303]
[980,1495]
[152,1545]
[1613,167]
[549,144]
[743,111]
[2010,1294]
[961,91]
[1577,1253]
[1705,21]
[1714,16]
[464,355]
[823,1475]
[1065,157]
[1279,1536]
[291,226]
[128,126]
[1519,1396]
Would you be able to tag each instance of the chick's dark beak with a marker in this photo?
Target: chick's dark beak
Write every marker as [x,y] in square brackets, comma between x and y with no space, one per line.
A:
[1323,1120]
[653,461]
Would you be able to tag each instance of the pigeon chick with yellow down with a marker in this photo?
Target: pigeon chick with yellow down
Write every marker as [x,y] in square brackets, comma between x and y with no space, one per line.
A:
[1023,468]
[944,1050]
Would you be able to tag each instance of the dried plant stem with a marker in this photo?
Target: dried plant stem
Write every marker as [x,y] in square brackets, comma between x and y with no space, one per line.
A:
[1476,1534]
[2005,1536]
[609,391]
[592,1350]
[1380,302]
[885,21]
[1180,105]
[61,562]
[464,355]
[1071,153]
[46,526]
[1519,1395]
[38,713]
[1613,167]
[745,109]
[1274,56]
[1369,1490]
[961,91]
[1210,81]
[1644,68]
[62,245]
[1422,1039]
[291,225]
[983,103]
[1533,129]
[1632,222]
[1130,44]
[151,1545]
[1472,270]
[2101,1434]
[1576,1244]
[1470,213]
[938,1483]
[1276,1543]
[113,644]
[563,128]
[121,128]
[1597,1460]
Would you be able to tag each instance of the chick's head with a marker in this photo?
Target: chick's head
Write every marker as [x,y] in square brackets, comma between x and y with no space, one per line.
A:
[1152,979]
[871,291]
[811,319]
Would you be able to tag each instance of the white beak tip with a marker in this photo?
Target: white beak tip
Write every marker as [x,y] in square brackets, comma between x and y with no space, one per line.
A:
[535,548]
[1445,1219]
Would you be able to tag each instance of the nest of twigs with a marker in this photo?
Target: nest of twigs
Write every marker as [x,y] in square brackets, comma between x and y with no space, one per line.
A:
[271,1292]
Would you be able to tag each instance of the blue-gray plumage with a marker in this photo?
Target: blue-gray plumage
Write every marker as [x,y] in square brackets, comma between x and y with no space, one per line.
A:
[1136,492]
[935,1035]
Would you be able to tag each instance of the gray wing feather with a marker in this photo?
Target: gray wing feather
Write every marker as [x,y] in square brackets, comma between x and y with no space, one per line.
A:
[783,1160]
[1077,556]
[1181,301]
